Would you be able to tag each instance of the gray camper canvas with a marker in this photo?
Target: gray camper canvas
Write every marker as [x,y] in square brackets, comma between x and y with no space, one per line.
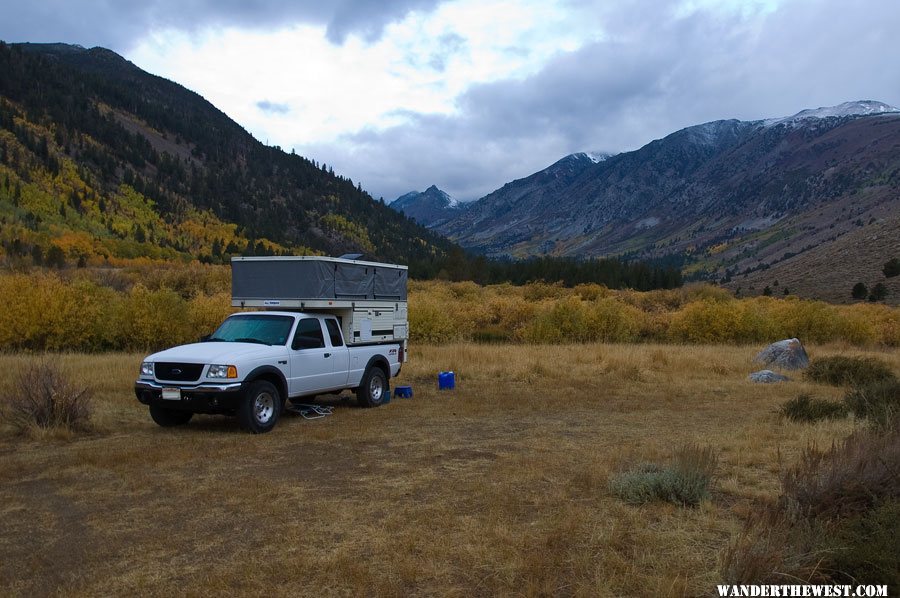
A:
[255,279]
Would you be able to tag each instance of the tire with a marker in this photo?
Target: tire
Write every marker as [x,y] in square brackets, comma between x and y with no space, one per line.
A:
[373,389]
[168,418]
[260,409]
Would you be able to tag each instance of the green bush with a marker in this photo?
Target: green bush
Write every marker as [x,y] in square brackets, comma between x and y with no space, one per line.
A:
[807,409]
[840,370]
[685,481]
[865,549]
[878,401]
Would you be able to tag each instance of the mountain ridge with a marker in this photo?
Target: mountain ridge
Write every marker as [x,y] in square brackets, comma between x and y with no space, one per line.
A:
[726,197]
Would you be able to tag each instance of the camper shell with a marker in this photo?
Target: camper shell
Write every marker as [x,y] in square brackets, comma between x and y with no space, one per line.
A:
[368,298]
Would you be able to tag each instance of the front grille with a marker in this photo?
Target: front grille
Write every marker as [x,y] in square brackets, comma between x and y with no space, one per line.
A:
[178,372]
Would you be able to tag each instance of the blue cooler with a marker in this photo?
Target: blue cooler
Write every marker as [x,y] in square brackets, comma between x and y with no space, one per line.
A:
[403,392]
[446,381]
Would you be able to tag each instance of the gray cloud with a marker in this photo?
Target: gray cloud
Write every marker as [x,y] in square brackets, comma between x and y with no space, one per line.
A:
[118,25]
[273,107]
[656,71]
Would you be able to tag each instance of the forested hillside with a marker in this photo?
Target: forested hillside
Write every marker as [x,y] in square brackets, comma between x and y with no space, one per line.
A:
[101,162]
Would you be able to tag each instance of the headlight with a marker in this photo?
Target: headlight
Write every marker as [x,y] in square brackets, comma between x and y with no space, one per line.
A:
[147,369]
[222,371]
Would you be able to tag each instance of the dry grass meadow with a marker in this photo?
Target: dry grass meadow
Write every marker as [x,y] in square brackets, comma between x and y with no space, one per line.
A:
[496,488]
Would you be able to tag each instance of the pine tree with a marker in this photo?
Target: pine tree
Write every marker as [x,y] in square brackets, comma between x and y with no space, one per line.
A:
[879,292]
[891,268]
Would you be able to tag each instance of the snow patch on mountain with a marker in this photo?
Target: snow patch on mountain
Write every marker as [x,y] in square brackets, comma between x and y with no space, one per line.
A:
[845,110]
[596,157]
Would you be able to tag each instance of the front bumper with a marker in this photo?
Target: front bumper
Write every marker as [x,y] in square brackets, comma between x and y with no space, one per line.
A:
[198,398]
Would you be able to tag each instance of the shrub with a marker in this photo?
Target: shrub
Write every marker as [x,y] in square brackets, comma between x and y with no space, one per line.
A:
[685,481]
[771,549]
[154,319]
[835,522]
[492,334]
[42,312]
[878,401]
[591,292]
[807,409]
[840,370]
[206,312]
[865,548]
[850,478]
[705,321]
[891,268]
[42,396]
[859,291]
[879,292]
[430,321]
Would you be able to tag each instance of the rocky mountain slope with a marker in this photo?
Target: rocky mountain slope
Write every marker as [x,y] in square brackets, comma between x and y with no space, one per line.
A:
[101,161]
[728,198]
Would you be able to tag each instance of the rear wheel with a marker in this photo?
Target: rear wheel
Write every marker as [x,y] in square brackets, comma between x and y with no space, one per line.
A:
[373,388]
[169,417]
[260,409]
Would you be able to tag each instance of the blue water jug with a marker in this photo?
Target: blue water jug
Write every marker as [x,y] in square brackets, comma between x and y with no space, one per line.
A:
[446,381]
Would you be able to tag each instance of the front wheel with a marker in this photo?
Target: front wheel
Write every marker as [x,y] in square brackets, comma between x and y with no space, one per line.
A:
[260,408]
[169,417]
[373,388]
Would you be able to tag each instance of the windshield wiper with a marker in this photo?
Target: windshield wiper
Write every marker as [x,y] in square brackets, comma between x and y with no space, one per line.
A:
[251,340]
[214,339]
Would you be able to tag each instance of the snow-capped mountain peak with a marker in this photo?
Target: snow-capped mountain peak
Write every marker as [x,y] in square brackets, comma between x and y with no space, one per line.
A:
[427,207]
[449,202]
[594,157]
[847,109]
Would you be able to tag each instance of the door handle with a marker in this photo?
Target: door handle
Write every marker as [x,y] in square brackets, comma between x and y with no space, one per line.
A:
[327,355]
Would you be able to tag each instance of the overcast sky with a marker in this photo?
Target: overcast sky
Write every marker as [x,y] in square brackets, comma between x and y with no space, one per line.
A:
[470,94]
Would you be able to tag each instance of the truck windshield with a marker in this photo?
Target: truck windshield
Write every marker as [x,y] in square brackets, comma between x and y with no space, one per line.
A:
[254,328]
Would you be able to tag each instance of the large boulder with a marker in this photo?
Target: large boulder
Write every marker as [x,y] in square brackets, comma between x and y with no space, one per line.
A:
[788,354]
[767,377]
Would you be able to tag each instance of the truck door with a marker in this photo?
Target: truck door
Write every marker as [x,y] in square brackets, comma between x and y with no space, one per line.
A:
[340,358]
[311,361]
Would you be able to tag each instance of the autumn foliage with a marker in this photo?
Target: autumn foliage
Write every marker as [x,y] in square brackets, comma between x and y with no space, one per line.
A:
[142,308]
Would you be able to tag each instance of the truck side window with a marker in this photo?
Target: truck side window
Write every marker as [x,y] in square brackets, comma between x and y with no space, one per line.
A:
[334,332]
[308,335]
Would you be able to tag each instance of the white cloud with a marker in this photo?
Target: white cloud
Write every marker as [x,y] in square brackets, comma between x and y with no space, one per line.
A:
[469,94]
[421,64]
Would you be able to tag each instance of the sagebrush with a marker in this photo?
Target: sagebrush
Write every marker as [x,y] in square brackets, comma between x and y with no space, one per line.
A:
[877,401]
[835,521]
[43,396]
[841,370]
[805,408]
[684,481]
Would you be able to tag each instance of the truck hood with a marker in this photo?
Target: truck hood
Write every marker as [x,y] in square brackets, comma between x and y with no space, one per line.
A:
[224,353]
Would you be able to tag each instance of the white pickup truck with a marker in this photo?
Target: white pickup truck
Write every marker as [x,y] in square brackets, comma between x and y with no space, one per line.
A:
[255,361]
[340,323]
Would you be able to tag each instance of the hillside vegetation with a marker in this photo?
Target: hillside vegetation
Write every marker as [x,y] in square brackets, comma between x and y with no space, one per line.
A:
[139,308]
[102,163]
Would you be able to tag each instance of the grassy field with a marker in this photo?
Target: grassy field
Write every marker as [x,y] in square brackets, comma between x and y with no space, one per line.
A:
[497,488]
